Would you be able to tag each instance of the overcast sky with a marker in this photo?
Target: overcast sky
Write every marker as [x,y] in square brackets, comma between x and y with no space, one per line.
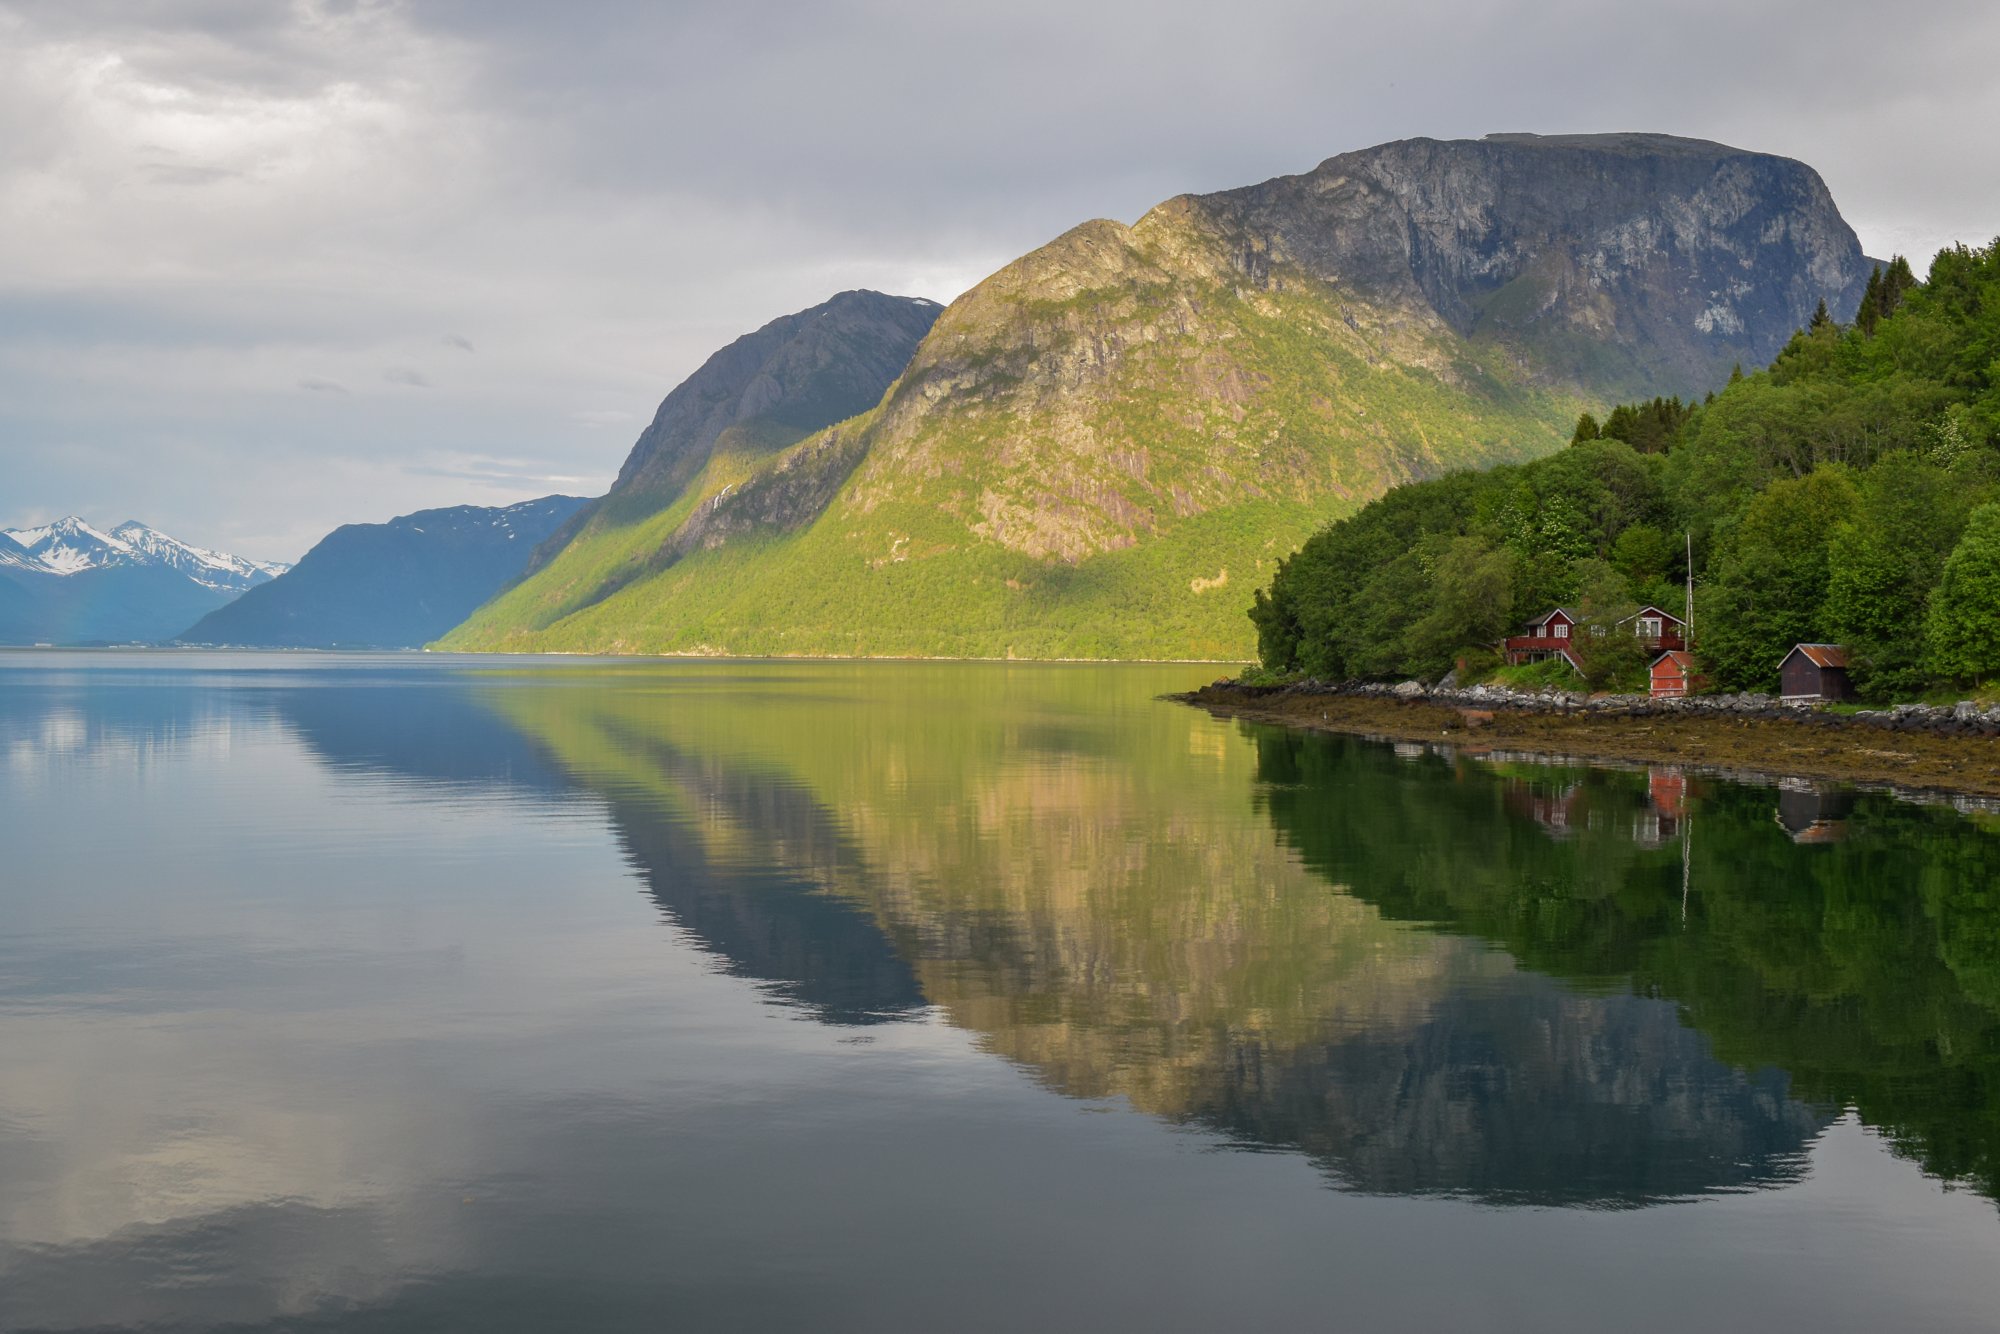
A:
[266,268]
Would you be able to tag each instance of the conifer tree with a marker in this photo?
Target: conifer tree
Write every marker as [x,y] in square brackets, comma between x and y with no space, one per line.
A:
[1869,314]
[1586,429]
[1896,284]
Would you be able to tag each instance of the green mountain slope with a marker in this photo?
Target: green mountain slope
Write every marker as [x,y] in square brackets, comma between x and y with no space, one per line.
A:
[747,403]
[1101,449]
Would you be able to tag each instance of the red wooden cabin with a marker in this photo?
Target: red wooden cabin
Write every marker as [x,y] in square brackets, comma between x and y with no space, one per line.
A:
[1548,637]
[1660,631]
[1675,675]
[1552,634]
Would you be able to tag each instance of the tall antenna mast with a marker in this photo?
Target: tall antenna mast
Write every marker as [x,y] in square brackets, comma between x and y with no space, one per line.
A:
[1690,590]
[1687,855]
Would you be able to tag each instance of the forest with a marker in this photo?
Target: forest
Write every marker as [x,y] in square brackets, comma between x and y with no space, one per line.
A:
[1849,493]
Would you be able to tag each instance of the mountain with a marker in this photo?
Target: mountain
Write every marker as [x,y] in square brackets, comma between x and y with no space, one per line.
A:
[1098,451]
[71,583]
[747,403]
[398,584]
[212,569]
[14,556]
[71,546]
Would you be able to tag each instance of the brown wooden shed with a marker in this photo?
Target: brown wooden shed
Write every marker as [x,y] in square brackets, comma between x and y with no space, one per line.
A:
[1814,671]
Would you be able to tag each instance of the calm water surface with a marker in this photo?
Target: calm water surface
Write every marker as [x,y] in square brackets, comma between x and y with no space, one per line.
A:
[438,994]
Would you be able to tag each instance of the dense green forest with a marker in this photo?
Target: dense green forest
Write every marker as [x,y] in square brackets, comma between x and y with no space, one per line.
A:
[1849,494]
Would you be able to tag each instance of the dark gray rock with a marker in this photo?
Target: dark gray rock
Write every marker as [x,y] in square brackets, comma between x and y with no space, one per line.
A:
[776,386]
[1640,262]
[767,390]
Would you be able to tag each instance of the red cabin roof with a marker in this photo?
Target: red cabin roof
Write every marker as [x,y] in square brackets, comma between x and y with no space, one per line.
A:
[1820,655]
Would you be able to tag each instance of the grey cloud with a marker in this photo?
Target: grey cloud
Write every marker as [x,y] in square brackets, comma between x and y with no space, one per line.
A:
[499,470]
[459,341]
[405,376]
[319,385]
[181,173]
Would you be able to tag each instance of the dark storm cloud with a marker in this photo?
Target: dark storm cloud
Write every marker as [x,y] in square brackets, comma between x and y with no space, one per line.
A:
[214,202]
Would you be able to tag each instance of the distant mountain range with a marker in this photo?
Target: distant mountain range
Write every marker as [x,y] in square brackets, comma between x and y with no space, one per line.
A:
[398,584]
[1099,451]
[71,583]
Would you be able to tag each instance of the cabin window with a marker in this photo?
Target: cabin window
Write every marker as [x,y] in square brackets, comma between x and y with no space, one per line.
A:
[1558,630]
[1649,627]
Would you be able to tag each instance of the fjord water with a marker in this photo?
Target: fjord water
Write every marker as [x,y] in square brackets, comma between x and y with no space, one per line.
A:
[431,993]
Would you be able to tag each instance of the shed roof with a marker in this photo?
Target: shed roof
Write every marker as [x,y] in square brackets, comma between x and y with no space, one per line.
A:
[1680,659]
[1820,655]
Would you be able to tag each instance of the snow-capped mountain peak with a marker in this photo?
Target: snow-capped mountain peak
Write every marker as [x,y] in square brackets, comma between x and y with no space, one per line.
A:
[217,569]
[71,546]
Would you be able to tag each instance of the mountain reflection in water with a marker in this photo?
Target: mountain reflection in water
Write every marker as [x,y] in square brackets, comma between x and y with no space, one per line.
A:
[326,1002]
[1019,878]
[1092,933]
[1463,977]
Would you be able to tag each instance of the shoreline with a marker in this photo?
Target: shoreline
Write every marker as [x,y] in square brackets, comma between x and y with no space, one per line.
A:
[1822,749]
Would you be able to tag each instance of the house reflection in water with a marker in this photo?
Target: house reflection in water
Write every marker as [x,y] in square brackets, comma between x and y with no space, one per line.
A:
[1563,809]
[1558,810]
[1666,807]
[1810,813]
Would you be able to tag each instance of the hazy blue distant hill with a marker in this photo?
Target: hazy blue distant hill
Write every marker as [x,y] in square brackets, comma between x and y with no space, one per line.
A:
[17,603]
[398,584]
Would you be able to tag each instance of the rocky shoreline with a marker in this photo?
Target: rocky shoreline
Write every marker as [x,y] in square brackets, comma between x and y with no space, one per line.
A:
[1910,748]
[1965,718]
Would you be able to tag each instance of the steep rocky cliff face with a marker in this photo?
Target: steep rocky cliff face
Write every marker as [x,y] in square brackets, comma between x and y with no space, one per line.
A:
[765,391]
[775,386]
[1639,260]
[1102,447]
